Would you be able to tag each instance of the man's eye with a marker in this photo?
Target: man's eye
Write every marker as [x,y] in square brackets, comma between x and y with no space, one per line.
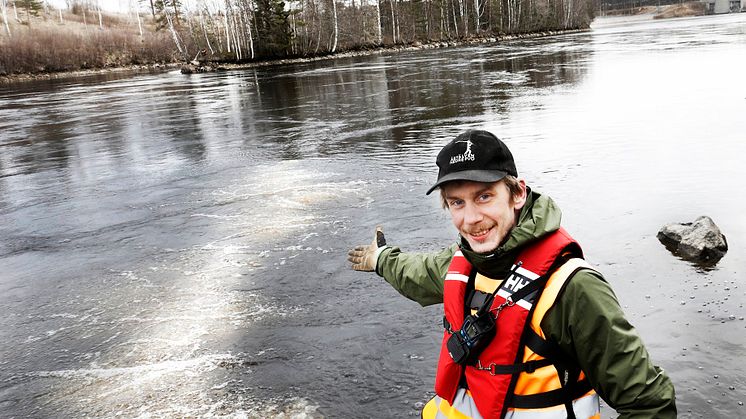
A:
[456,203]
[484,197]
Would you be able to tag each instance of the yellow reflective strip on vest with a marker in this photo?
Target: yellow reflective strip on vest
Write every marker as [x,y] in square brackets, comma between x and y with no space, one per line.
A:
[552,289]
[430,411]
[586,407]
[463,407]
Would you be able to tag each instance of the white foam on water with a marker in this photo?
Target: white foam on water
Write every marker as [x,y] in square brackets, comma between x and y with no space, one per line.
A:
[290,409]
[139,373]
[172,336]
[63,316]
[220,217]
[294,408]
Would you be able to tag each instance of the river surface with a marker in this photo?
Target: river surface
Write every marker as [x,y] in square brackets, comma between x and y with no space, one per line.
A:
[174,246]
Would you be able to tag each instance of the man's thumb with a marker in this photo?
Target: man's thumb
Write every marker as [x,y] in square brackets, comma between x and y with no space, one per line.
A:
[380,239]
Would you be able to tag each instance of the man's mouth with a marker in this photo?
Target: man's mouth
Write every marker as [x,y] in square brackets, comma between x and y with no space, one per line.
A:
[480,235]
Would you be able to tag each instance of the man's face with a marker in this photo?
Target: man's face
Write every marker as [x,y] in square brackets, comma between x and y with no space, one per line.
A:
[483,213]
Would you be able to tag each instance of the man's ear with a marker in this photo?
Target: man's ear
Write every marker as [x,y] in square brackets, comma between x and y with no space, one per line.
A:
[520,200]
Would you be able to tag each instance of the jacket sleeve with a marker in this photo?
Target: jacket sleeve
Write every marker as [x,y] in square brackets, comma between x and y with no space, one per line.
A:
[589,325]
[417,276]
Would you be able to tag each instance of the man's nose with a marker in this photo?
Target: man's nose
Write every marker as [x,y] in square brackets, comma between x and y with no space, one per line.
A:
[472,215]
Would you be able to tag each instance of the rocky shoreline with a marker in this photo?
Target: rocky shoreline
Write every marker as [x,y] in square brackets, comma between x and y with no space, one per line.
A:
[150,68]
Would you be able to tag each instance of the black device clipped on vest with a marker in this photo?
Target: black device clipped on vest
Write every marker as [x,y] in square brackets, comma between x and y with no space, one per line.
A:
[477,330]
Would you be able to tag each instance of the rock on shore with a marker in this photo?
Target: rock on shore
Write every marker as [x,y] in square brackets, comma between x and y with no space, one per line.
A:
[699,241]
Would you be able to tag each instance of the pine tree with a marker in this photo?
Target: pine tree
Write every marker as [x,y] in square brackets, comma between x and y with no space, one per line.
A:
[273,27]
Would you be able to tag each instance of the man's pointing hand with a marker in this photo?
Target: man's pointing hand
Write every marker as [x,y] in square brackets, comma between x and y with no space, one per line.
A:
[363,258]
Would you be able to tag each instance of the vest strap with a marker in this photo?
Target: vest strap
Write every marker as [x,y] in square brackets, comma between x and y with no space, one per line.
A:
[550,398]
[541,346]
[447,325]
[478,299]
[528,367]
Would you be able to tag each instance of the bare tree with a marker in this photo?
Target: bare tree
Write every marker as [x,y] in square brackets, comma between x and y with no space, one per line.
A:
[204,29]
[100,20]
[378,22]
[336,26]
[5,17]
[175,35]
[135,8]
[15,12]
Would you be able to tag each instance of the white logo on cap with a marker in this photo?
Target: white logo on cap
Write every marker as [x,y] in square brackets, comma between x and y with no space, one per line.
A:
[468,155]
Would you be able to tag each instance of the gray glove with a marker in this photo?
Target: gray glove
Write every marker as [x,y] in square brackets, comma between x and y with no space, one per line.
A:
[363,258]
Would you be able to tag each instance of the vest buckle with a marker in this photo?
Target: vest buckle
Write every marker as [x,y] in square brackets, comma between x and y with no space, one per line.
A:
[492,368]
[530,367]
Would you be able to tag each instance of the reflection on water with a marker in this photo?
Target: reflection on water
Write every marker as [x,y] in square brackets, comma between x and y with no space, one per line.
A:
[303,111]
[174,245]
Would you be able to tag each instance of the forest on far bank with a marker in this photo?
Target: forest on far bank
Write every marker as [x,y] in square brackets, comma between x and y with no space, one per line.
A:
[38,38]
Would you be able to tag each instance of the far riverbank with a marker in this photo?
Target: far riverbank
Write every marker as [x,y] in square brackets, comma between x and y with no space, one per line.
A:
[219,66]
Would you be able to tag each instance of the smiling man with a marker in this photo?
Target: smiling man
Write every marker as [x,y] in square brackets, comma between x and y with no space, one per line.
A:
[530,329]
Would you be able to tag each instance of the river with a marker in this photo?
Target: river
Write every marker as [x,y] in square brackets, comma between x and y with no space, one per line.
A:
[174,246]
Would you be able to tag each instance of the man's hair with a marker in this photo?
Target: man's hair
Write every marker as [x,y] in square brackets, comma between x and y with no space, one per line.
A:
[511,182]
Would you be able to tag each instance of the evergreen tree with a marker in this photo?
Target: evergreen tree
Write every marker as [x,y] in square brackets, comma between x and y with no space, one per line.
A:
[273,28]
[32,7]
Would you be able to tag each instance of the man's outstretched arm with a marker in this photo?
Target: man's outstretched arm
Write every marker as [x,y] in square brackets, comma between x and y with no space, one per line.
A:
[417,276]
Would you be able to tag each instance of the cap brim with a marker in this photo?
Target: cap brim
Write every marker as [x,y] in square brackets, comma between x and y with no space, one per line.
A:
[472,175]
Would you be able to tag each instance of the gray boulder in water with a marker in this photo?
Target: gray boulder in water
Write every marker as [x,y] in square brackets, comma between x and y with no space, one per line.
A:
[699,241]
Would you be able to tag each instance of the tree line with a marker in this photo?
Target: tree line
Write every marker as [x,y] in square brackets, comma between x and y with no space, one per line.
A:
[244,30]
[250,29]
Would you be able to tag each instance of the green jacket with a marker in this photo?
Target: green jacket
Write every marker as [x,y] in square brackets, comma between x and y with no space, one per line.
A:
[587,321]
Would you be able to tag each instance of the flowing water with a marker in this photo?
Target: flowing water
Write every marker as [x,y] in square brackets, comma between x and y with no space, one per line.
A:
[174,246]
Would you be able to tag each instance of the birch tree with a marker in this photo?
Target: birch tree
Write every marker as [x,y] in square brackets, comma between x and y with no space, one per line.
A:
[378,21]
[135,8]
[5,17]
[393,22]
[177,39]
[336,26]
[204,30]
[100,20]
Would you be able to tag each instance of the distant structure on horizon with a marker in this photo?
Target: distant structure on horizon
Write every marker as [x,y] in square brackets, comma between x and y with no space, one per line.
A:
[724,6]
[632,7]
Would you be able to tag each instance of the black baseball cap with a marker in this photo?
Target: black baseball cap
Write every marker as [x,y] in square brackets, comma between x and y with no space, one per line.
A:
[475,155]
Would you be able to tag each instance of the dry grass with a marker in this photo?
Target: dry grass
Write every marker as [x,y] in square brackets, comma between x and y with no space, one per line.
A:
[694,8]
[48,46]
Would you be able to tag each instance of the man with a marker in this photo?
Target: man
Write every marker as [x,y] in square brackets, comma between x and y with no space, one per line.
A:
[531,330]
